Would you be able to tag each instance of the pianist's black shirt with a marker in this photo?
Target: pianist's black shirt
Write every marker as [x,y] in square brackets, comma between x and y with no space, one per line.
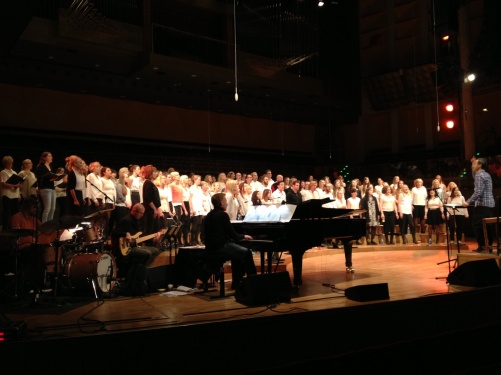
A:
[218,230]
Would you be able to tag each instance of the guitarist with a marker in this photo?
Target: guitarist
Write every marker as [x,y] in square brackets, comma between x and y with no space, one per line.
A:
[126,229]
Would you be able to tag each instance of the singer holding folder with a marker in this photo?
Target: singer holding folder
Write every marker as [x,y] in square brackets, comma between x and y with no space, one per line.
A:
[456,215]
[45,179]
[483,201]
[10,191]
[76,192]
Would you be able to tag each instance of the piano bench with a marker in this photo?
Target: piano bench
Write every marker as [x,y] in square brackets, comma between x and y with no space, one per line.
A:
[212,269]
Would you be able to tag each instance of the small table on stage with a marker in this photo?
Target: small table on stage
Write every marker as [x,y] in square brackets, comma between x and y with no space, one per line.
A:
[489,220]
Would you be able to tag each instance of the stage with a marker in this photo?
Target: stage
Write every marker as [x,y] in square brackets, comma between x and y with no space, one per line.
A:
[425,320]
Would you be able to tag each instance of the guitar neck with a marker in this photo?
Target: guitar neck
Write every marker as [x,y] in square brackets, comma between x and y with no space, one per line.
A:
[145,238]
[125,247]
[149,236]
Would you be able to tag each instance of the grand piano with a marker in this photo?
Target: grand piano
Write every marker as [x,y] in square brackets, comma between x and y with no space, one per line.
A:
[299,228]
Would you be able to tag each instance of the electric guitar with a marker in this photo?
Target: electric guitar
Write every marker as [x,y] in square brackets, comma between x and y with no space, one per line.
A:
[135,240]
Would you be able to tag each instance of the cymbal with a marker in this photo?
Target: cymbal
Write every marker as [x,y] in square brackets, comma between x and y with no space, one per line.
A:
[97,213]
[64,222]
[17,233]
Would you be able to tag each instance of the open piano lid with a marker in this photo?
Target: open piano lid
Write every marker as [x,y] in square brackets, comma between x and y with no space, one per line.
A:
[283,213]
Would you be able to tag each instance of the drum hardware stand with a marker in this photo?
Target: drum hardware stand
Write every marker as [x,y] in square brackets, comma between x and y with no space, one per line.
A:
[109,280]
[91,279]
[56,264]
[15,274]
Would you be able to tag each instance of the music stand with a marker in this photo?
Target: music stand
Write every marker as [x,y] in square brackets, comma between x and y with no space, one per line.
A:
[170,236]
[449,260]
[453,208]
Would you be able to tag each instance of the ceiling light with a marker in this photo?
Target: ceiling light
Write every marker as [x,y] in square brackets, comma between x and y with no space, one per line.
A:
[320,3]
[469,78]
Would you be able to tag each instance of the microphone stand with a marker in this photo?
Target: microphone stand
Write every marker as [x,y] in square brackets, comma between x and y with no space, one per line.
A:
[449,260]
[106,197]
[454,221]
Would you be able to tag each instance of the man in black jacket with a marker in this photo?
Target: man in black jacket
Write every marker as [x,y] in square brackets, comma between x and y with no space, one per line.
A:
[294,196]
[220,238]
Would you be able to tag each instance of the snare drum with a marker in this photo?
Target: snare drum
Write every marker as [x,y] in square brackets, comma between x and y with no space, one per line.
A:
[82,269]
[89,234]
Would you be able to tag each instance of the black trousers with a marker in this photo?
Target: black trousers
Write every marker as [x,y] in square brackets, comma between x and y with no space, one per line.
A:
[480,213]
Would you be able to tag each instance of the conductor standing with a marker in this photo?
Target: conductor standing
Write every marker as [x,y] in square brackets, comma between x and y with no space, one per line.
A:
[483,201]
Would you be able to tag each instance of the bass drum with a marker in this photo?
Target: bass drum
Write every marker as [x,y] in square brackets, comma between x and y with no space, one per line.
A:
[82,269]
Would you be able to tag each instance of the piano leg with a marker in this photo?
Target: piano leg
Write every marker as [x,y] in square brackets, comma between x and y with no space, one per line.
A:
[297,266]
[348,251]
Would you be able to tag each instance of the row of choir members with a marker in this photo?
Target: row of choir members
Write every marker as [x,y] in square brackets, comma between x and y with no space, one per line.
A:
[99,189]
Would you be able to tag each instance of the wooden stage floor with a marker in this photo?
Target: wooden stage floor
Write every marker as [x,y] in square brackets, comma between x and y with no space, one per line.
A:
[412,272]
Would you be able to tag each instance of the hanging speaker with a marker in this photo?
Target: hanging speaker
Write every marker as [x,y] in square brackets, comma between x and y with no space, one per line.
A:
[370,292]
[264,289]
[478,273]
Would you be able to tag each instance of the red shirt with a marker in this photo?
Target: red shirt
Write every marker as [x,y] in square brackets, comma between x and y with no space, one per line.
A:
[19,221]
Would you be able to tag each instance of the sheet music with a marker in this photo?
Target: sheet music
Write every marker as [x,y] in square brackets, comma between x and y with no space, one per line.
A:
[270,213]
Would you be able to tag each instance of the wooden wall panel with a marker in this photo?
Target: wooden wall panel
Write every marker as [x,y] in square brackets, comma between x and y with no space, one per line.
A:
[57,111]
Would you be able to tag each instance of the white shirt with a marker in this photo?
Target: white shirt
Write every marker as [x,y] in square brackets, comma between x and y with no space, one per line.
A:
[196,205]
[278,196]
[92,188]
[109,189]
[256,186]
[419,196]
[405,204]
[164,198]
[11,193]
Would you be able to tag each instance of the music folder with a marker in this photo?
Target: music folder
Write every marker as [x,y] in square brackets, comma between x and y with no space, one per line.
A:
[14,179]
[54,176]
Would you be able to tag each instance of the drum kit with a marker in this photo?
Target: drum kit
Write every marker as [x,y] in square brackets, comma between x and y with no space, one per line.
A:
[74,256]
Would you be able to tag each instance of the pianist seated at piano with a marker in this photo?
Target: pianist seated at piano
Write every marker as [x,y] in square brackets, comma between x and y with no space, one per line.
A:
[298,228]
[221,238]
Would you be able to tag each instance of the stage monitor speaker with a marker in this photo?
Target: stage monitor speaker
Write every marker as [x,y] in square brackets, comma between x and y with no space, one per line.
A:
[264,289]
[157,278]
[370,292]
[478,273]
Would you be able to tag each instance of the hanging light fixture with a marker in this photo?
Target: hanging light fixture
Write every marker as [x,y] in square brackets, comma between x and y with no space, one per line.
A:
[235,44]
